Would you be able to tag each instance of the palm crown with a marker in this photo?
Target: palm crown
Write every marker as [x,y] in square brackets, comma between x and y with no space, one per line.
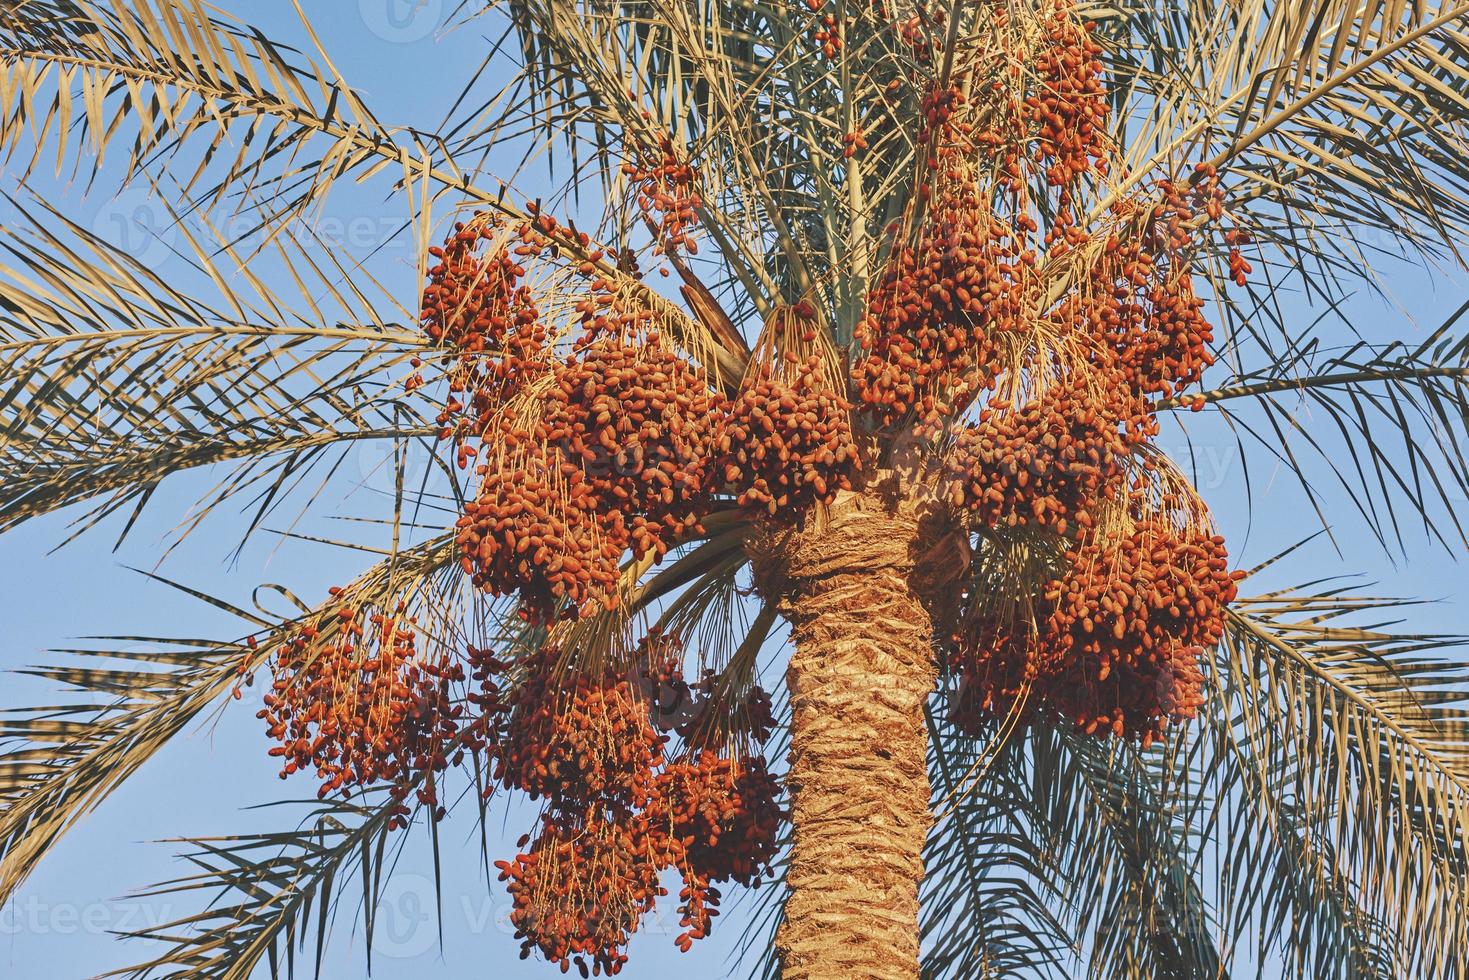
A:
[872,330]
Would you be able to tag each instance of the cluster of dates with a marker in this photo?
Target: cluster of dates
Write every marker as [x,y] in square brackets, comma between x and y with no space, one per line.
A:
[1033,342]
[616,445]
[665,190]
[619,808]
[354,700]
[1112,642]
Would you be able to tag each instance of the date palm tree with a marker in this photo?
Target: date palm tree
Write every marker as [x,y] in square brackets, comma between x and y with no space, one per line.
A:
[777,162]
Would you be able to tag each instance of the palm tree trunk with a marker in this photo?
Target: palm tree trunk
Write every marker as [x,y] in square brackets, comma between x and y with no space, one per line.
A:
[862,669]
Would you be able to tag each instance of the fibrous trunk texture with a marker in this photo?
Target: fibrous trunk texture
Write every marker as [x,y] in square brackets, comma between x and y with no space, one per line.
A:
[861,672]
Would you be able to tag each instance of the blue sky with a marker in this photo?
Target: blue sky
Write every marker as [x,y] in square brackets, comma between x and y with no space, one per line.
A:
[59,924]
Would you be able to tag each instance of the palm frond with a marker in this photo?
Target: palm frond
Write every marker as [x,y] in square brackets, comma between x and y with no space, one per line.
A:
[1328,118]
[1354,742]
[266,893]
[988,898]
[81,74]
[1385,422]
[1314,817]
[1136,859]
[63,760]
[299,127]
[115,381]
[1340,129]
